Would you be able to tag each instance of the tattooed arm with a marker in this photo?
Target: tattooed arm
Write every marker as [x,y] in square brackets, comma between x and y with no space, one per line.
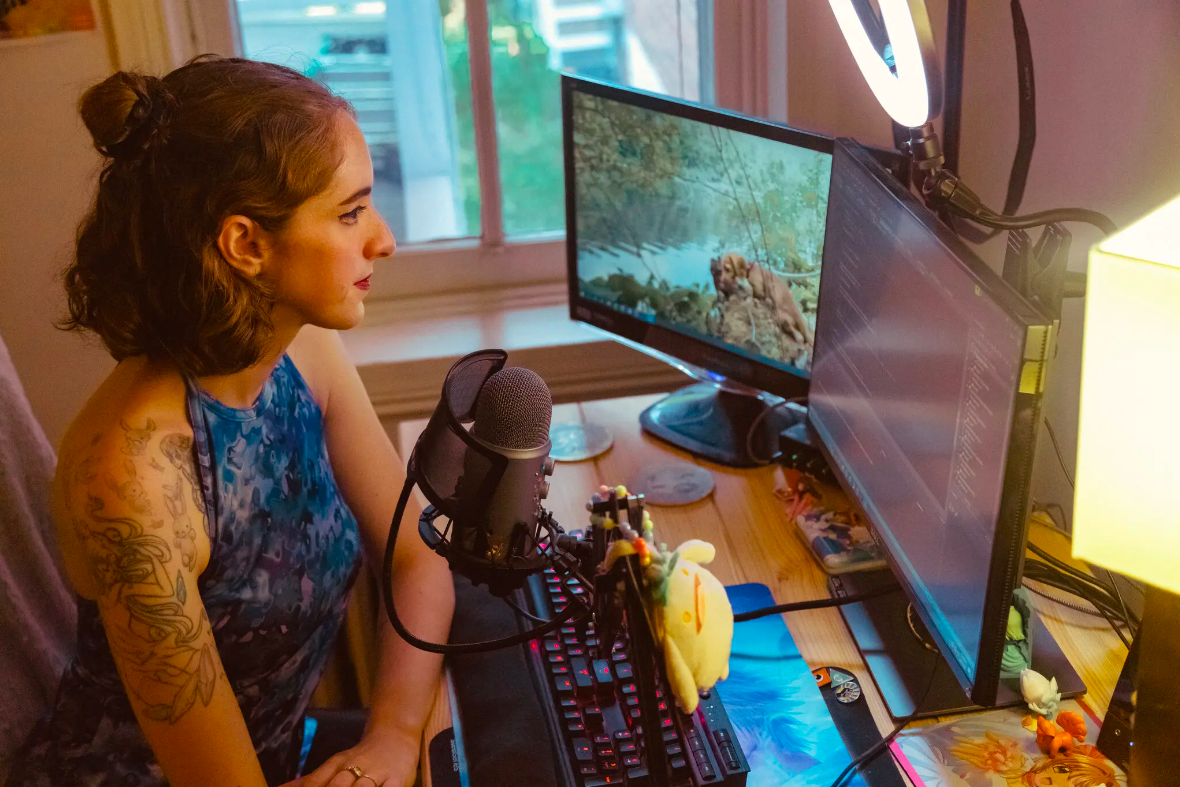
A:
[136,515]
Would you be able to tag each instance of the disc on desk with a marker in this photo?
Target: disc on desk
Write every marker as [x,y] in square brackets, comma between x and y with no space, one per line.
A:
[575,442]
[672,484]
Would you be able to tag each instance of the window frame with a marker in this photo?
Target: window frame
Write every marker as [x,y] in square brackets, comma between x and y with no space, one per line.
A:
[158,35]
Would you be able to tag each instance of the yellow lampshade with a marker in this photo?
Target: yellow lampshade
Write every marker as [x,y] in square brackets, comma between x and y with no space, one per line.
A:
[1127,501]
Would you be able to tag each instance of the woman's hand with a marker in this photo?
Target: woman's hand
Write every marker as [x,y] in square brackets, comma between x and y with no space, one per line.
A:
[386,759]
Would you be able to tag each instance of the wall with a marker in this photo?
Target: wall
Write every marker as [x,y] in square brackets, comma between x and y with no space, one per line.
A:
[1108,132]
[47,174]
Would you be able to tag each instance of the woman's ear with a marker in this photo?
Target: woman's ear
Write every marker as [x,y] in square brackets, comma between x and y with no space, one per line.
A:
[242,244]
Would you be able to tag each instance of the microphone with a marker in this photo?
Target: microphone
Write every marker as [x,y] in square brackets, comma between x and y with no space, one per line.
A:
[513,412]
[488,480]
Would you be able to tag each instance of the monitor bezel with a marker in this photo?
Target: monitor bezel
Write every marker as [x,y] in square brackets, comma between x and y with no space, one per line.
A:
[727,363]
[1008,548]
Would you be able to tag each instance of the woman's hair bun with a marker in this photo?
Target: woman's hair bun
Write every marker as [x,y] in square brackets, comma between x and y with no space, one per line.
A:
[125,113]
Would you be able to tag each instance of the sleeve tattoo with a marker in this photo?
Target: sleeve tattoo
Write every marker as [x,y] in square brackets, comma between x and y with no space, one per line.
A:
[165,647]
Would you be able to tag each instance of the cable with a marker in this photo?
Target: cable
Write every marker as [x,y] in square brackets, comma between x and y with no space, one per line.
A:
[990,218]
[1101,599]
[1063,602]
[819,603]
[873,751]
[758,422]
[1060,457]
[520,611]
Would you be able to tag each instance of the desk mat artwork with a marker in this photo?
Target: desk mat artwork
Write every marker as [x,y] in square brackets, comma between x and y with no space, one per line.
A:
[1000,748]
[782,721]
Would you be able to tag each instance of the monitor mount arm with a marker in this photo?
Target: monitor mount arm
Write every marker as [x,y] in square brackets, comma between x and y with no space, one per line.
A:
[942,188]
[1037,271]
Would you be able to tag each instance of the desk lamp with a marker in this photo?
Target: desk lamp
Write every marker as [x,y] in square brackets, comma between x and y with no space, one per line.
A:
[1127,502]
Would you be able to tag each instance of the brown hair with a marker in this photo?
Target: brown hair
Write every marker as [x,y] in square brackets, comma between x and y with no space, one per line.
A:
[214,138]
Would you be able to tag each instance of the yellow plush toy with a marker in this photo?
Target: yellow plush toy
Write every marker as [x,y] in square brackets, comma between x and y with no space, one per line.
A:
[691,611]
[695,623]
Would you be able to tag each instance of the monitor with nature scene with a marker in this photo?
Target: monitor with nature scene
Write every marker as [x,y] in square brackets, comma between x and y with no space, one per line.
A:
[699,234]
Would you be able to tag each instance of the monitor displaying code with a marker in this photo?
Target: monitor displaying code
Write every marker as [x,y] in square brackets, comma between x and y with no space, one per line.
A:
[913,391]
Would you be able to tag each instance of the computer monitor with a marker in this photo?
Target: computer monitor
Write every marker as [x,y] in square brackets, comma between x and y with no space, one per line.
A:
[926,397]
[697,234]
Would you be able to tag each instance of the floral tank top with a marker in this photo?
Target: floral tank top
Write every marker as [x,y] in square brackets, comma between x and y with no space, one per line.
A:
[285,551]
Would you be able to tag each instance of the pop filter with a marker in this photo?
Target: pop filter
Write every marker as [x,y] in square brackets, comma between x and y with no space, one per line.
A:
[482,462]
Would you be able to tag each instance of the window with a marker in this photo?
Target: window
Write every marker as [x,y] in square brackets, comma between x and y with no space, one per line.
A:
[439,83]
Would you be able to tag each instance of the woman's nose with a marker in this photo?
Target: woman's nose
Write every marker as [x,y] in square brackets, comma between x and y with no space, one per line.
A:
[384,244]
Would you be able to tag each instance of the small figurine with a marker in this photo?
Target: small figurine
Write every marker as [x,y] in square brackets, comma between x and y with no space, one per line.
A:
[690,608]
[1041,695]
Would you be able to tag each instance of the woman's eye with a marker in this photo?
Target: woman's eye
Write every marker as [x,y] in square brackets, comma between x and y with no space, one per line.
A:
[354,214]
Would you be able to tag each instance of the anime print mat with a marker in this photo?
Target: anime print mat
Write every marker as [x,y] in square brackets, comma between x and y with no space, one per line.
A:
[998,749]
[781,719]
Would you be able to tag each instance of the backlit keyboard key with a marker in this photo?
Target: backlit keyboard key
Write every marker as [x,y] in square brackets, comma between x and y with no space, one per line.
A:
[623,670]
[582,675]
[602,675]
[600,740]
[603,781]
[632,761]
[582,751]
[588,770]
[563,684]
[552,646]
[628,688]
[559,669]
[678,762]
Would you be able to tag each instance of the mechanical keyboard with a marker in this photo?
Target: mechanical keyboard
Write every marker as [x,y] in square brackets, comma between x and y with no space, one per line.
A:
[588,691]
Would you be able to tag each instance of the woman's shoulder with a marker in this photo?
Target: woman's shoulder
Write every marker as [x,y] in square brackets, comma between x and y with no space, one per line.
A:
[138,396]
[319,355]
[126,455]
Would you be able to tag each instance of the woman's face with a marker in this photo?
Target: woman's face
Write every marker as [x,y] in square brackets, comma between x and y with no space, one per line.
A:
[320,264]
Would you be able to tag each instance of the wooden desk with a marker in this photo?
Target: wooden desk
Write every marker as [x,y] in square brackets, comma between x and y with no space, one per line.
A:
[756,543]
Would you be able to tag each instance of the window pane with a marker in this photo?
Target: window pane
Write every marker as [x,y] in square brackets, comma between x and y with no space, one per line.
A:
[650,44]
[403,65]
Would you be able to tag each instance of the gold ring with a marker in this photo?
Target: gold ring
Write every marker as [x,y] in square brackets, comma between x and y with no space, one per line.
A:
[358,773]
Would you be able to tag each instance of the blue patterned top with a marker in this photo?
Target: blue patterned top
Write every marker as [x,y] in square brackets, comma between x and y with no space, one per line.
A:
[285,550]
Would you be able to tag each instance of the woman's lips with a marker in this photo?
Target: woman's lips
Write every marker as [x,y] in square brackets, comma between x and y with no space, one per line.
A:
[364,283]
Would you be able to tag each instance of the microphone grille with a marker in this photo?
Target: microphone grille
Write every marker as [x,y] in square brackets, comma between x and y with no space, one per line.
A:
[513,410]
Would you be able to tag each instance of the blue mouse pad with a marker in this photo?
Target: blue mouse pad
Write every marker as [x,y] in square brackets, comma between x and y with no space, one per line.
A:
[781,718]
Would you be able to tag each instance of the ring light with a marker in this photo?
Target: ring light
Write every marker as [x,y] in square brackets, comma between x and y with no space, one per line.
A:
[913,95]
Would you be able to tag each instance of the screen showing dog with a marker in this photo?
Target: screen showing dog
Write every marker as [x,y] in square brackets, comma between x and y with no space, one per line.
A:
[701,229]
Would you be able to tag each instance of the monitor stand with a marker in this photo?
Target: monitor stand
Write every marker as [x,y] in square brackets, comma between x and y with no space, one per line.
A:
[900,664]
[712,422]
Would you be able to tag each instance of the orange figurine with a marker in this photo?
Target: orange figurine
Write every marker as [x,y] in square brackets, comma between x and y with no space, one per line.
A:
[1051,740]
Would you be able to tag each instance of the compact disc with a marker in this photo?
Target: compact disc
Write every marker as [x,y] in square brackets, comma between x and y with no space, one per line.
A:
[575,442]
[672,484]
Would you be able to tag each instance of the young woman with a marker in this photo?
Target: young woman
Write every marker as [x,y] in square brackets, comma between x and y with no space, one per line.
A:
[215,494]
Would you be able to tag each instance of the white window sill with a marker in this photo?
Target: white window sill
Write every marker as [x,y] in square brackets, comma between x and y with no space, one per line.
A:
[405,347]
